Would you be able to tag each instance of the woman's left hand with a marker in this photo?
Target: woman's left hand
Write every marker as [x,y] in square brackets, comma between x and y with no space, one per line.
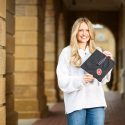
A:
[88,78]
[107,53]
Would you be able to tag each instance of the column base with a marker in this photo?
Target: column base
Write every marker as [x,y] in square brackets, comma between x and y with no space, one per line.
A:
[12,118]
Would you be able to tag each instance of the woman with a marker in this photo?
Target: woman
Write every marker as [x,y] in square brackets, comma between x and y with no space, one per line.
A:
[83,94]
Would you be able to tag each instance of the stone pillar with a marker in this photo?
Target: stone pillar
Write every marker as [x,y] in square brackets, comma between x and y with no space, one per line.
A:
[61,34]
[12,116]
[122,39]
[123,35]
[49,57]
[2,62]
[61,41]
[30,100]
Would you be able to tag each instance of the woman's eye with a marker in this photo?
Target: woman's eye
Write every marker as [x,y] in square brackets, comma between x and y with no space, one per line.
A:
[80,30]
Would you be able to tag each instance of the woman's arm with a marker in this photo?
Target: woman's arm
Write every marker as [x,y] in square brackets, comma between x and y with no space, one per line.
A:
[67,83]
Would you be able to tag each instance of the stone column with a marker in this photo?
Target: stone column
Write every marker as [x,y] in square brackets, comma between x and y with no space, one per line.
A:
[61,34]
[61,41]
[54,43]
[123,35]
[12,116]
[122,39]
[30,100]
[49,57]
[2,62]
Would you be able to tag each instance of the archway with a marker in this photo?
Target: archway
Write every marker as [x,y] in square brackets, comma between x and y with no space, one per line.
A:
[106,40]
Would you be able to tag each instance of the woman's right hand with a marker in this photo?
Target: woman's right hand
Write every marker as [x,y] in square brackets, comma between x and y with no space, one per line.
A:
[88,78]
[107,53]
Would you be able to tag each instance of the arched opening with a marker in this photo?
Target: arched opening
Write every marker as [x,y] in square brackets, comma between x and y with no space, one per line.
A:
[106,40]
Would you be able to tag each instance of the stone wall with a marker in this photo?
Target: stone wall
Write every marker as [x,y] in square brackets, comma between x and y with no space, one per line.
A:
[30,101]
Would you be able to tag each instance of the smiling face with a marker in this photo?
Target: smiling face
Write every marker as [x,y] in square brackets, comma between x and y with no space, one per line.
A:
[83,35]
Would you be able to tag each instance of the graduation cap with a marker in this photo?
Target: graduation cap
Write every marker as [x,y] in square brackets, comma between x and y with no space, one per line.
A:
[98,65]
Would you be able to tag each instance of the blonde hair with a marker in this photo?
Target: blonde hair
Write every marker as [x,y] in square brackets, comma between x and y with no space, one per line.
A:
[75,57]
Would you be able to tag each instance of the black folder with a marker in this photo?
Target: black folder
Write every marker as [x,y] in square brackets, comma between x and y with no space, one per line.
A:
[98,64]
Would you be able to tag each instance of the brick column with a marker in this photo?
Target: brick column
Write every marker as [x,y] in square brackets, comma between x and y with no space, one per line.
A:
[30,100]
[2,61]
[12,116]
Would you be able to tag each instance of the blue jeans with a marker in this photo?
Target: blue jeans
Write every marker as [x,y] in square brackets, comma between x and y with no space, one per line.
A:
[89,116]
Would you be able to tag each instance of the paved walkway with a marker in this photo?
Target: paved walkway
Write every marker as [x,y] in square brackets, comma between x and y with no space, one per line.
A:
[115,113]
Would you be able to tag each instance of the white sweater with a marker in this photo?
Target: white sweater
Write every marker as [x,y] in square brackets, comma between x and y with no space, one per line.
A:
[78,94]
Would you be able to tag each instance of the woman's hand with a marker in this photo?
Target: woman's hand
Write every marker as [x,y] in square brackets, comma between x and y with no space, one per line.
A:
[107,53]
[88,78]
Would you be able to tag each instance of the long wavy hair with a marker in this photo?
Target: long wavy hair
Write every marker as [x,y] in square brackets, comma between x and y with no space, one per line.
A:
[75,59]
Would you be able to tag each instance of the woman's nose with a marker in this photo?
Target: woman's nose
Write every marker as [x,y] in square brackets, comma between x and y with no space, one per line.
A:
[84,32]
